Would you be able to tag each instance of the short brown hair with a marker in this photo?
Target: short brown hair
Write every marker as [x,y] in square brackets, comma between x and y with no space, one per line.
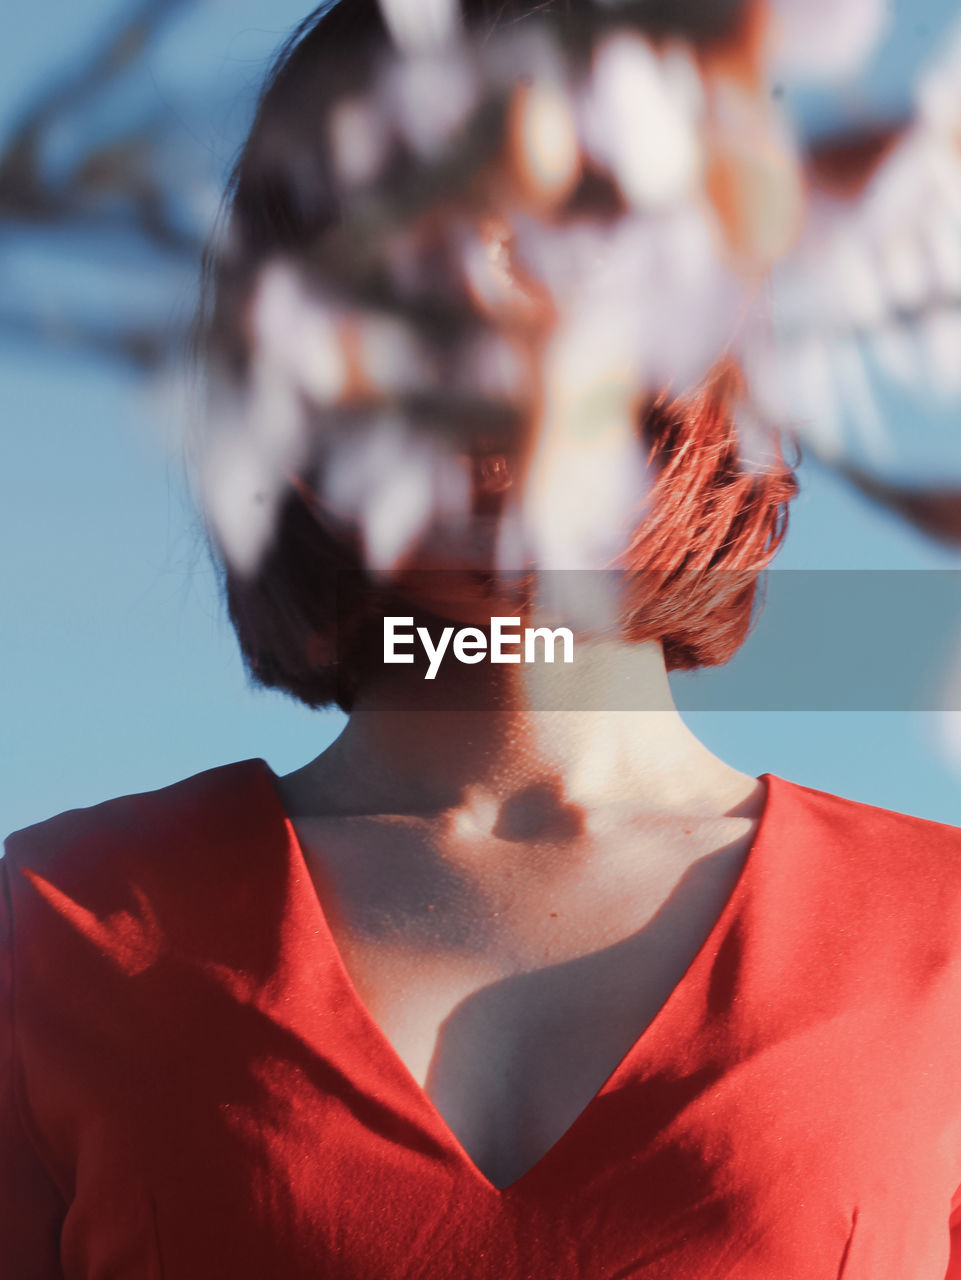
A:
[308,619]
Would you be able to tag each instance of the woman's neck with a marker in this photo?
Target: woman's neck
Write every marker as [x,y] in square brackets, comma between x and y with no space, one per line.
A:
[540,744]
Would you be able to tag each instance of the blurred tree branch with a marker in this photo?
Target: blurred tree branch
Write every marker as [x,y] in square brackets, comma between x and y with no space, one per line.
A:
[117,184]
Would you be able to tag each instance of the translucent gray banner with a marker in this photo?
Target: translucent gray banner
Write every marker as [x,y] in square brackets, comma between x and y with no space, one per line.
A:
[821,640]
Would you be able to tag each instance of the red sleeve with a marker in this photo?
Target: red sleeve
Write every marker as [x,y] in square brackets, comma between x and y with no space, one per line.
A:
[31,1207]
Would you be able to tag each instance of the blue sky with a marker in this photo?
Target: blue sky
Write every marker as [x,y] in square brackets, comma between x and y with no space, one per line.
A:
[120,672]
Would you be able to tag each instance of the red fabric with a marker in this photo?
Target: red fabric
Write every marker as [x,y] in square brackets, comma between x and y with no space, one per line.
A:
[194,1090]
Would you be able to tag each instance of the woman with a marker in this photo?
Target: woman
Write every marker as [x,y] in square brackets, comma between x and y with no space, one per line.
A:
[508,981]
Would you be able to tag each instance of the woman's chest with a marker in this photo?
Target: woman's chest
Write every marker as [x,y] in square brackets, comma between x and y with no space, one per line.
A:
[509,1060]
[510,1021]
[511,1054]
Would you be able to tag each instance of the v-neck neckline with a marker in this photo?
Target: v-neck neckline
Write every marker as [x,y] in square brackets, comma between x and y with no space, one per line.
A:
[653,1029]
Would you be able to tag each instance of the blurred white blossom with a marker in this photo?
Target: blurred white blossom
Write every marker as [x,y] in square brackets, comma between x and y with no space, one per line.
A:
[718,238]
[825,39]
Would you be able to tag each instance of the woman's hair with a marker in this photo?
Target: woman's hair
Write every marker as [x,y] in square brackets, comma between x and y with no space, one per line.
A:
[308,619]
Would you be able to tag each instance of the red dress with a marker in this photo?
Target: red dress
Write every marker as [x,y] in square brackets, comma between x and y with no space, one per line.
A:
[193,1089]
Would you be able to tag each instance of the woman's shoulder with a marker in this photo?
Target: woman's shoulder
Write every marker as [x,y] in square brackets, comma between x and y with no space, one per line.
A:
[840,820]
[849,859]
[98,854]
